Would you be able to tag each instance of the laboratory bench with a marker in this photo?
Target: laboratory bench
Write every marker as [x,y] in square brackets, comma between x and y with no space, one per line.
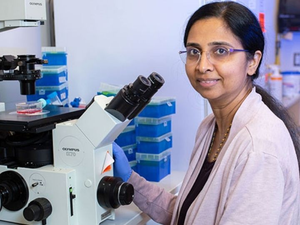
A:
[131,214]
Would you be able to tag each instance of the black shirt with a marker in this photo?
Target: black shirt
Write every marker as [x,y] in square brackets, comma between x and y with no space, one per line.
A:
[197,187]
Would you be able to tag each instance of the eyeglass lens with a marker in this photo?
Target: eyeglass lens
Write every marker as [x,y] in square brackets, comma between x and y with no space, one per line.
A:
[215,55]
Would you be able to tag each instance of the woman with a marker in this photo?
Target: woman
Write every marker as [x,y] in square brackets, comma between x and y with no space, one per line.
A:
[244,168]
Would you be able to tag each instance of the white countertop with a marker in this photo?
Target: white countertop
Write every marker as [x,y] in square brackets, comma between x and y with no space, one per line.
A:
[131,215]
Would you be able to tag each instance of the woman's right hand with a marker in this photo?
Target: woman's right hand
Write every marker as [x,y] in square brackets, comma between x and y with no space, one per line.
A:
[121,165]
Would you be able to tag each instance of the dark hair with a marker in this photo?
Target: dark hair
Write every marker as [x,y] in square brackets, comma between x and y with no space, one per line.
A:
[245,26]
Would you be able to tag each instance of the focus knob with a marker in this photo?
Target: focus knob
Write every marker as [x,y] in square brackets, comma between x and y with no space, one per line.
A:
[113,192]
[37,210]
[126,194]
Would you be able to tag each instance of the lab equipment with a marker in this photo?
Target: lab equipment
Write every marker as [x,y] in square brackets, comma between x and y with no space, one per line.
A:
[154,145]
[275,82]
[21,13]
[127,137]
[288,16]
[26,73]
[56,56]
[136,95]
[154,167]
[57,168]
[52,99]
[29,107]
[52,75]
[130,152]
[159,107]
[290,83]
[152,127]
[43,91]
[78,103]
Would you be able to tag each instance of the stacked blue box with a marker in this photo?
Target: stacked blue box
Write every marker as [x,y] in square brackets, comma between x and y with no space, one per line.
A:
[154,138]
[127,140]
[54,76]
[55,56]
[130,152]
[127,137]
[154,145]
[159,107]
[133,165]
[43,91]
[152,127]
[154,167]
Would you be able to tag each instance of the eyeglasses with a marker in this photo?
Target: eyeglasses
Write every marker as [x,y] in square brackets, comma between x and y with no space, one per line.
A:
[215,55]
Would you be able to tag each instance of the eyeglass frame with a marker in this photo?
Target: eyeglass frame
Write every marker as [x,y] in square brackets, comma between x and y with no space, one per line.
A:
[230,50]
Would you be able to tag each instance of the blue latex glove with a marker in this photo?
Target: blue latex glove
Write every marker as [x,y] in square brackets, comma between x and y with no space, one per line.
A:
[121,165]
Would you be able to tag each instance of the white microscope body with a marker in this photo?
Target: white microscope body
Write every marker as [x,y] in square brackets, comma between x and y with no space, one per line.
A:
[85,145]
[82,151]
[21,13]
[77,186]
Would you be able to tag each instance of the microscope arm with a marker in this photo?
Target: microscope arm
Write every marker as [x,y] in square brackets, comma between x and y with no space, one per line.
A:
[26,74]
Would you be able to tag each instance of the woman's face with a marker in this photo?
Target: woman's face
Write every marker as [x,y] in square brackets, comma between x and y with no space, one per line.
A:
[221,82]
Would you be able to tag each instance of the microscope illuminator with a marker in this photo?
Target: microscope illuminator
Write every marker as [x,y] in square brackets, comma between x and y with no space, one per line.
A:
[21,13]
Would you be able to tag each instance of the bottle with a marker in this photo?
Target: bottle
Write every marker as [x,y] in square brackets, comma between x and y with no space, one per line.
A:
[275,82]
[52,99]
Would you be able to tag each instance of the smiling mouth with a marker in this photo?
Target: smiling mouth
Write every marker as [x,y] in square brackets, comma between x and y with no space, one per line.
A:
[208,81]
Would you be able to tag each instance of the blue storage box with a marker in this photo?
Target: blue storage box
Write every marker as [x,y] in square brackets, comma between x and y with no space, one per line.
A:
[152,127]
[132,123]
[154,167]
[159,107]
[42,92]
[52,76]
[133,165]
[54,55]
[127,137]
[130,151]
[154,145]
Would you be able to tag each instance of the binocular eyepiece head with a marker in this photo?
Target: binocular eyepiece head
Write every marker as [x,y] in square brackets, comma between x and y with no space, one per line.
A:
[133,98]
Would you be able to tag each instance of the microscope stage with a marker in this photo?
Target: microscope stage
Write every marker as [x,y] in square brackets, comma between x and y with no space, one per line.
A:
[12,121]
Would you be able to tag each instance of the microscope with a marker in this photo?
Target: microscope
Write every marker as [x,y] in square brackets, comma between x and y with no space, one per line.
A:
[57,168]
[26,73]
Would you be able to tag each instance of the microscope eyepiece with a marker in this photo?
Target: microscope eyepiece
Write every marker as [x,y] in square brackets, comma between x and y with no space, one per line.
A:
[128,98]
[156,82]
[132,98]
[135,90]
[141,84]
